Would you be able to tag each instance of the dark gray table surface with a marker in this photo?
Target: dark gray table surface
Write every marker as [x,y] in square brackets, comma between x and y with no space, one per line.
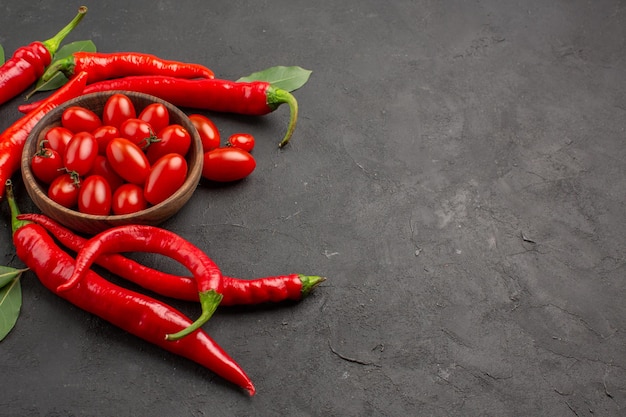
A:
[457,173]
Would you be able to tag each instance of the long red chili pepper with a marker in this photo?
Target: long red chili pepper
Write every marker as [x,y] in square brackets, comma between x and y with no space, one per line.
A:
[12,140]
[135,313]
[28,63]
[144,238]
[255,98]
[236,291]
[103,66]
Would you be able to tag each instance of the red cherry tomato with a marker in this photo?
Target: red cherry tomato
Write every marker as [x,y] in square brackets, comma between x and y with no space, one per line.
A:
[207,130]
[137,131]
[64,191]
[157,115]
[172,139]
[166,176]
[57,138]
[103,135]
[46,165]
[94,196]
[102,167]
[243,141]
[79,119]
[128,160]
[80,153]
[227,164]
[127,199]
[117,109]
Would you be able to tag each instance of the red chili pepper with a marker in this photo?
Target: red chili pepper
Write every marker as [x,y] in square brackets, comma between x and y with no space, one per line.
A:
[103,66]
[29,62]
[236,291]
[143,238]
[12,140]
[255,98]
[135,313]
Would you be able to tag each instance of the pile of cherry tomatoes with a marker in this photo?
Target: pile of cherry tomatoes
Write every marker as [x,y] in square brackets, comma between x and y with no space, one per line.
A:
[122,162]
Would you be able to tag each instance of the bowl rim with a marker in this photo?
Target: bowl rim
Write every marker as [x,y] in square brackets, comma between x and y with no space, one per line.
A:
[192,180]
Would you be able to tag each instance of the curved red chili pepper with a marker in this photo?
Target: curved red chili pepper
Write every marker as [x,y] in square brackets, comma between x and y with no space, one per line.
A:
[29,62]
[255,98]
[236,291]
[144,238]
[103,66]
[12,140]
[135,313]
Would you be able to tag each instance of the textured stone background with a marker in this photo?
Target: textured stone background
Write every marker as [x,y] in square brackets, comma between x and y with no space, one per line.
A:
[458,175]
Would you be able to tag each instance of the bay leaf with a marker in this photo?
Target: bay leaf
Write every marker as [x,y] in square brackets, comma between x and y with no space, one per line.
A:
[10,304]
[283,77]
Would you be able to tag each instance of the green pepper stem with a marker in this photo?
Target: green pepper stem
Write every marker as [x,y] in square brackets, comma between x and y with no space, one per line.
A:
[15,211]
[309,282]
[209,300]
[276,97]
[52,44]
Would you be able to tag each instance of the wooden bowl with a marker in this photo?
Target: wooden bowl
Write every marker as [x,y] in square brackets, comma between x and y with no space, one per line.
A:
[92,224]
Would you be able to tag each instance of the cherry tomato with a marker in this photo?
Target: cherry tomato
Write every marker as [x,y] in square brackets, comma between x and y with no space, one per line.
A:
[46,165]
[156,115]
[117,109]
[94,196]
[166,176]
[64,191]
[207,130]
[138,132]
[102,167]
[79,119]
[227,164]
[57,138]
[128,160]
[80,153]
[127,199]
[243,141]
[103,135]
[172,139]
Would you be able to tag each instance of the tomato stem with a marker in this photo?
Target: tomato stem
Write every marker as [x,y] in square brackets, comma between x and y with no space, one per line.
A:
[209,301]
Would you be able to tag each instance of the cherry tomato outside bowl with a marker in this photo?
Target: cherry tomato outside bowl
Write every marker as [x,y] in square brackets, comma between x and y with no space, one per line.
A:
[243,141]
[227,164]
[209,134]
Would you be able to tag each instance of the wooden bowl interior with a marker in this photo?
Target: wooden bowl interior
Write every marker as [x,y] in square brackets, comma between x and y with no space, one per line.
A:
[92,224]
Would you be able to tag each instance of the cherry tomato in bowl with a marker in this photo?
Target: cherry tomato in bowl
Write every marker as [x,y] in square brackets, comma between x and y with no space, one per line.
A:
[94,196]
[80,119]
[46,164]
[166,176]
[157,115]
[173,139]
[128,198]
[128,160]
[80,153]
[118,108]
